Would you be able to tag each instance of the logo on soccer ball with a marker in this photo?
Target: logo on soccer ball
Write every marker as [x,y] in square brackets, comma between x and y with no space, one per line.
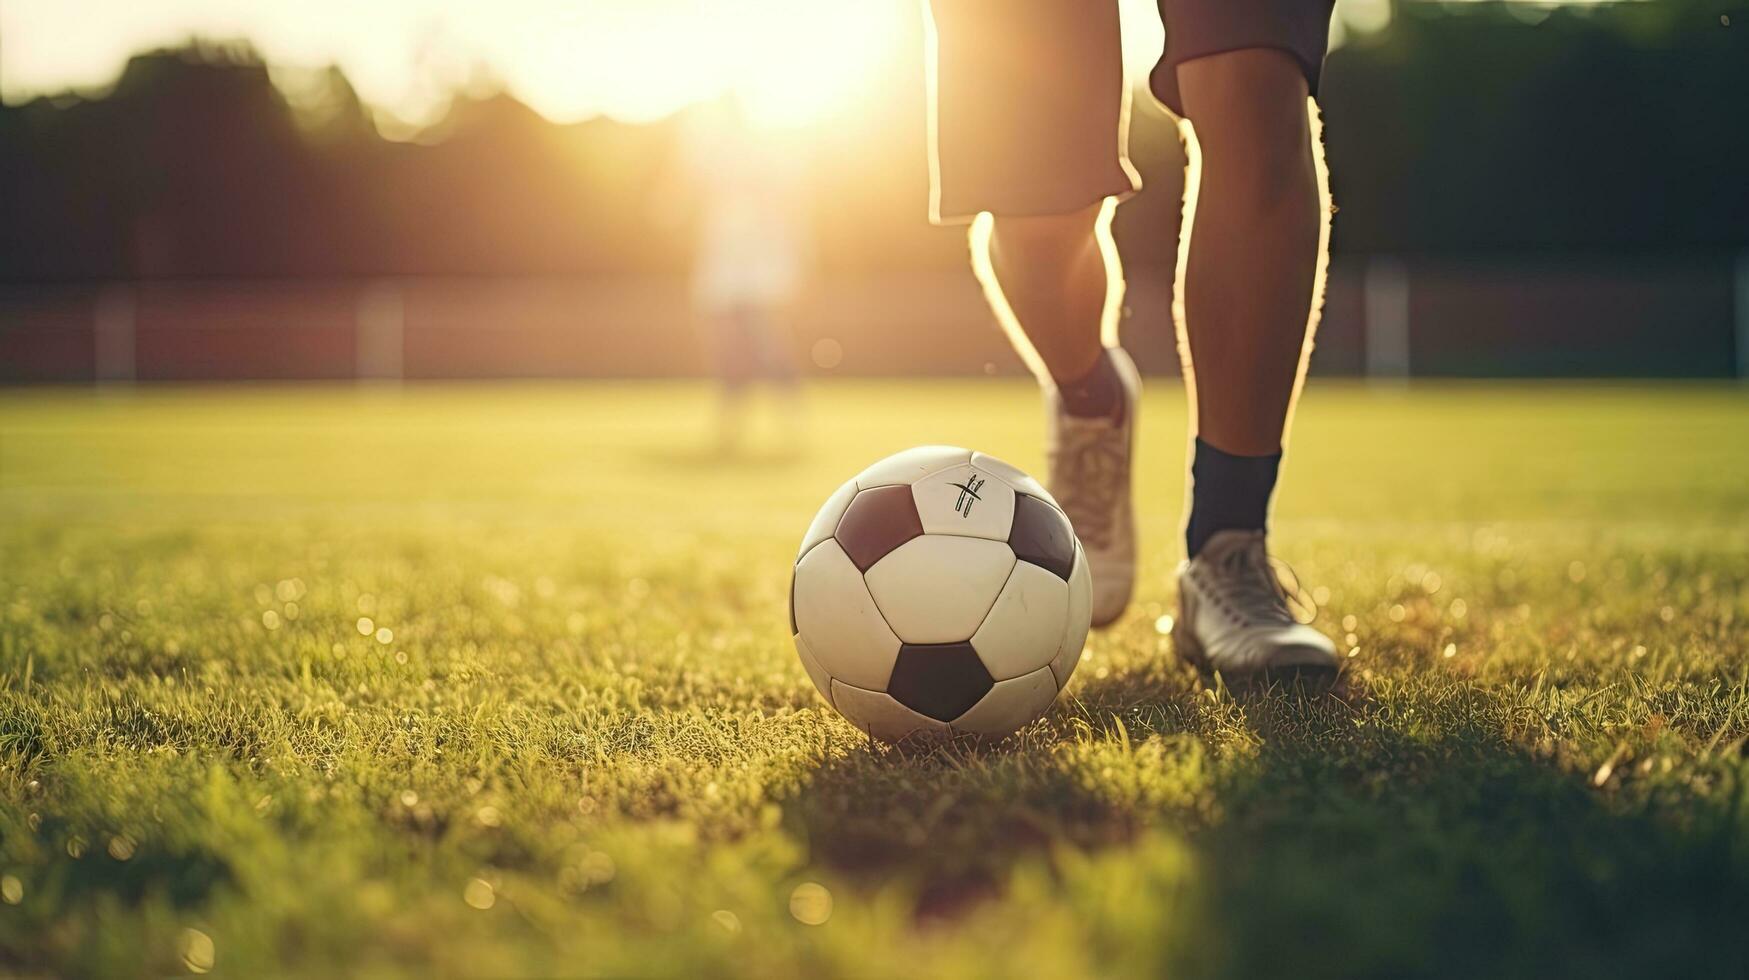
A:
[968,494]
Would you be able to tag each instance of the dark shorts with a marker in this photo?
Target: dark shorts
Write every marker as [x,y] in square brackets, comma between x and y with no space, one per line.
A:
[1029,109]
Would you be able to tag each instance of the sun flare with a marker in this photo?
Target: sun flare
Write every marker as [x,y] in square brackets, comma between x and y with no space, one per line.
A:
[791,61]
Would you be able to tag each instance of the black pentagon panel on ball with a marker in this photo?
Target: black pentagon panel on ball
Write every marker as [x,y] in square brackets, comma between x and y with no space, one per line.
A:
[940,680]
[1042,536]
[877,521]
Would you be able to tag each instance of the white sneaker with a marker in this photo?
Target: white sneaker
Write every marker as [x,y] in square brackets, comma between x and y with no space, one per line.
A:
[1090,477]
[1234,614]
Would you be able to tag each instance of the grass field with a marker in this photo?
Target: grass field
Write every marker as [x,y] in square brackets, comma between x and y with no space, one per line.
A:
[496,680]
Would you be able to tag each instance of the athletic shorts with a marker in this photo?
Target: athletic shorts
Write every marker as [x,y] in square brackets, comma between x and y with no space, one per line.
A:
[1028,104]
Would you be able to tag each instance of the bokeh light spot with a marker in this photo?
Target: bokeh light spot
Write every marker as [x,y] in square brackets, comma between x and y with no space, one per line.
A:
[810,904]
[479,894]
[827,353]
[198,952]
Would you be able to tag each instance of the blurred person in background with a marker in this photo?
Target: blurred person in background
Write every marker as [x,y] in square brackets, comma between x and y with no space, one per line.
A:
[745,197]
[1028,124]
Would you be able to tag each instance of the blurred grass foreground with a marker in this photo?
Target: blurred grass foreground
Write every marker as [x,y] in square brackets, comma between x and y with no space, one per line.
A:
[490,680]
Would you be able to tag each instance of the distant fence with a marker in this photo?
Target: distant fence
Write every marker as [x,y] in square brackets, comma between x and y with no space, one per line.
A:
[1384,318]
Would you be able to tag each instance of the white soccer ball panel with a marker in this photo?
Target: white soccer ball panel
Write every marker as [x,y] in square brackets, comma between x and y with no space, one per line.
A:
[964,499]
[1080,619]
[816,672]
[1024,629]
[826,521]
[1010,704]
[880,716]
[838,620]
[937,588]
[911,465]
[1014,476]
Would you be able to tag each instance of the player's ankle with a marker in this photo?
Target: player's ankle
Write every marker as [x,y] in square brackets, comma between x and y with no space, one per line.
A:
[1096,392]
[1228,493]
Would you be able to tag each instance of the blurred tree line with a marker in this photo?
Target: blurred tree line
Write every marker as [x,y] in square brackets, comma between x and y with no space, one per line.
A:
[1512,127]
[1459,129]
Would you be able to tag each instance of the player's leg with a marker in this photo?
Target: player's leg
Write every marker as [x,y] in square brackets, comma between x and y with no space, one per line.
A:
[1052,281]
[1027,100]
[778,368]
[1050,272]
[1027,114]
[1254,249]
[1254,253]
[735,359]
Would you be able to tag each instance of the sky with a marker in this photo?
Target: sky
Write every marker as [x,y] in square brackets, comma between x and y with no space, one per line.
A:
[634,60]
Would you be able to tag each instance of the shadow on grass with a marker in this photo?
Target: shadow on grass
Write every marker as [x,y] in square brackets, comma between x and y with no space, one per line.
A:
[1331,835]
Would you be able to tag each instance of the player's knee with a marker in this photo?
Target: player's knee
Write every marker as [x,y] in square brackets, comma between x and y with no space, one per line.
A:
[1250,114]
[1043,239]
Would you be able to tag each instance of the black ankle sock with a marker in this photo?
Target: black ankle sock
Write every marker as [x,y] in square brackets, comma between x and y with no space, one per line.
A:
[1096,394]
[1227,492]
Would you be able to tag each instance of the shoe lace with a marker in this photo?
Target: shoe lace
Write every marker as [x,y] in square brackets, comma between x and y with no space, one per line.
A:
[1088,477]
[1262,589]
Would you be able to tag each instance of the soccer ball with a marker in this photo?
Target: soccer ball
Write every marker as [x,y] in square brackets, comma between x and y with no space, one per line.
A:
[940,591]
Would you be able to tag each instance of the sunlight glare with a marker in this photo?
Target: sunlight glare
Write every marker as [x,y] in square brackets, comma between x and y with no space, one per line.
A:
[791,61]
[794,62]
